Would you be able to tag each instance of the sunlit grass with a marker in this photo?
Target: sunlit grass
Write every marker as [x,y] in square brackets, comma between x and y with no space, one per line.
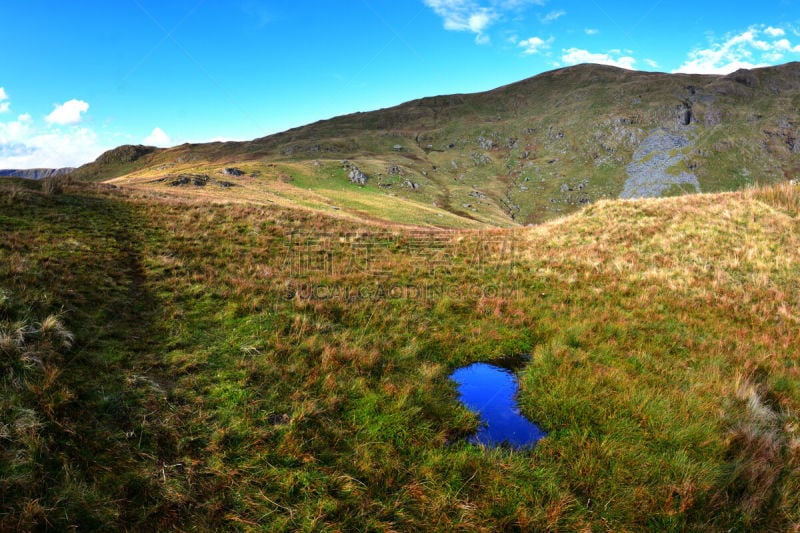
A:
[250,366]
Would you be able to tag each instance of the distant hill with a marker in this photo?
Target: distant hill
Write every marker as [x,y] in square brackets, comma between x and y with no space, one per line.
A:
[35,173]
[522,153]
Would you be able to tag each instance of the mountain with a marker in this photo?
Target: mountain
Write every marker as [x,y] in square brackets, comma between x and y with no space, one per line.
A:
[35,173]
[522,153]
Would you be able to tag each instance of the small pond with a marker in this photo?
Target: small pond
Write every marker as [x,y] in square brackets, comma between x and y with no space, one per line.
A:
[490,391]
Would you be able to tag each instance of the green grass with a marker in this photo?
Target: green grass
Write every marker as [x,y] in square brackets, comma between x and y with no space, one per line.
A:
[257,368]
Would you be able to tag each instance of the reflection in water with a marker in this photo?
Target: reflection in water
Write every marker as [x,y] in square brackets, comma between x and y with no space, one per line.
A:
[490,391]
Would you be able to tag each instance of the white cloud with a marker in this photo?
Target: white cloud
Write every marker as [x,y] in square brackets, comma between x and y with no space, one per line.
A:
[5,105]
[15,131]
[24,145]
[759,46]
[785,45]
[68,113]
[552,16]
[534,45]
[158,138]
[463,15]
[58,142]
[591,31]
[775,32]
[615,58]
[652,63]
[476,16]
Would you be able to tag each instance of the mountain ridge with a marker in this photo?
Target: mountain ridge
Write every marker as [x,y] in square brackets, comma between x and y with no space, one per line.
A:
[522,153]
[35,173]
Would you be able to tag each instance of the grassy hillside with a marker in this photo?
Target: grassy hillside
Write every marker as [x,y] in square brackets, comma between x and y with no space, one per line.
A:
[525,153]
[174,363]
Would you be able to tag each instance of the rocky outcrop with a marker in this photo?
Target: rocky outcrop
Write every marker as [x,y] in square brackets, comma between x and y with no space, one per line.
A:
[125,154]
[411,185]
[193,180]
[35,173]
[480,159]
[356,176]
[777,140]
[233,171]
[744,77]
[485,144]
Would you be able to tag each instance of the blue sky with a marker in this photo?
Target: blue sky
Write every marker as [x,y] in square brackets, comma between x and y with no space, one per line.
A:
[77,78]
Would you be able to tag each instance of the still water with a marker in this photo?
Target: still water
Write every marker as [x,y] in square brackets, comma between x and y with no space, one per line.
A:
[491,391]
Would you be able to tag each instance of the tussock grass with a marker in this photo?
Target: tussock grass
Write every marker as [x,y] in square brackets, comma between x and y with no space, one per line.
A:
[785,197]
[252,367]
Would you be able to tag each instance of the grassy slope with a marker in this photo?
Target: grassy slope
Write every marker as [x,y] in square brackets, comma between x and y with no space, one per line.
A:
[518,146]
[258,368]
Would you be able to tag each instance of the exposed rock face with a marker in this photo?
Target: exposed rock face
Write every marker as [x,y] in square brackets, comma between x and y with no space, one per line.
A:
[685,115]
[35,173]
[648,175]
[411,185]
[233,171]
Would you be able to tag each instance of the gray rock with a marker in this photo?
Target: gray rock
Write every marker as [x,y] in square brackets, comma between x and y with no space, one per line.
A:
[357,177]
[647,174]
[484,143]
[480,159]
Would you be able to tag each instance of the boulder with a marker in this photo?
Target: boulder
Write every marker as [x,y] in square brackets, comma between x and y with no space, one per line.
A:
[357,177]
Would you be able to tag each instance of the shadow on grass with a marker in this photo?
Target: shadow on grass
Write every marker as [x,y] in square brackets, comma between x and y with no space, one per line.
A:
[98,442]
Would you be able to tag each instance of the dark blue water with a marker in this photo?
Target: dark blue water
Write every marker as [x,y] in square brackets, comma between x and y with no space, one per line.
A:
[491,391]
